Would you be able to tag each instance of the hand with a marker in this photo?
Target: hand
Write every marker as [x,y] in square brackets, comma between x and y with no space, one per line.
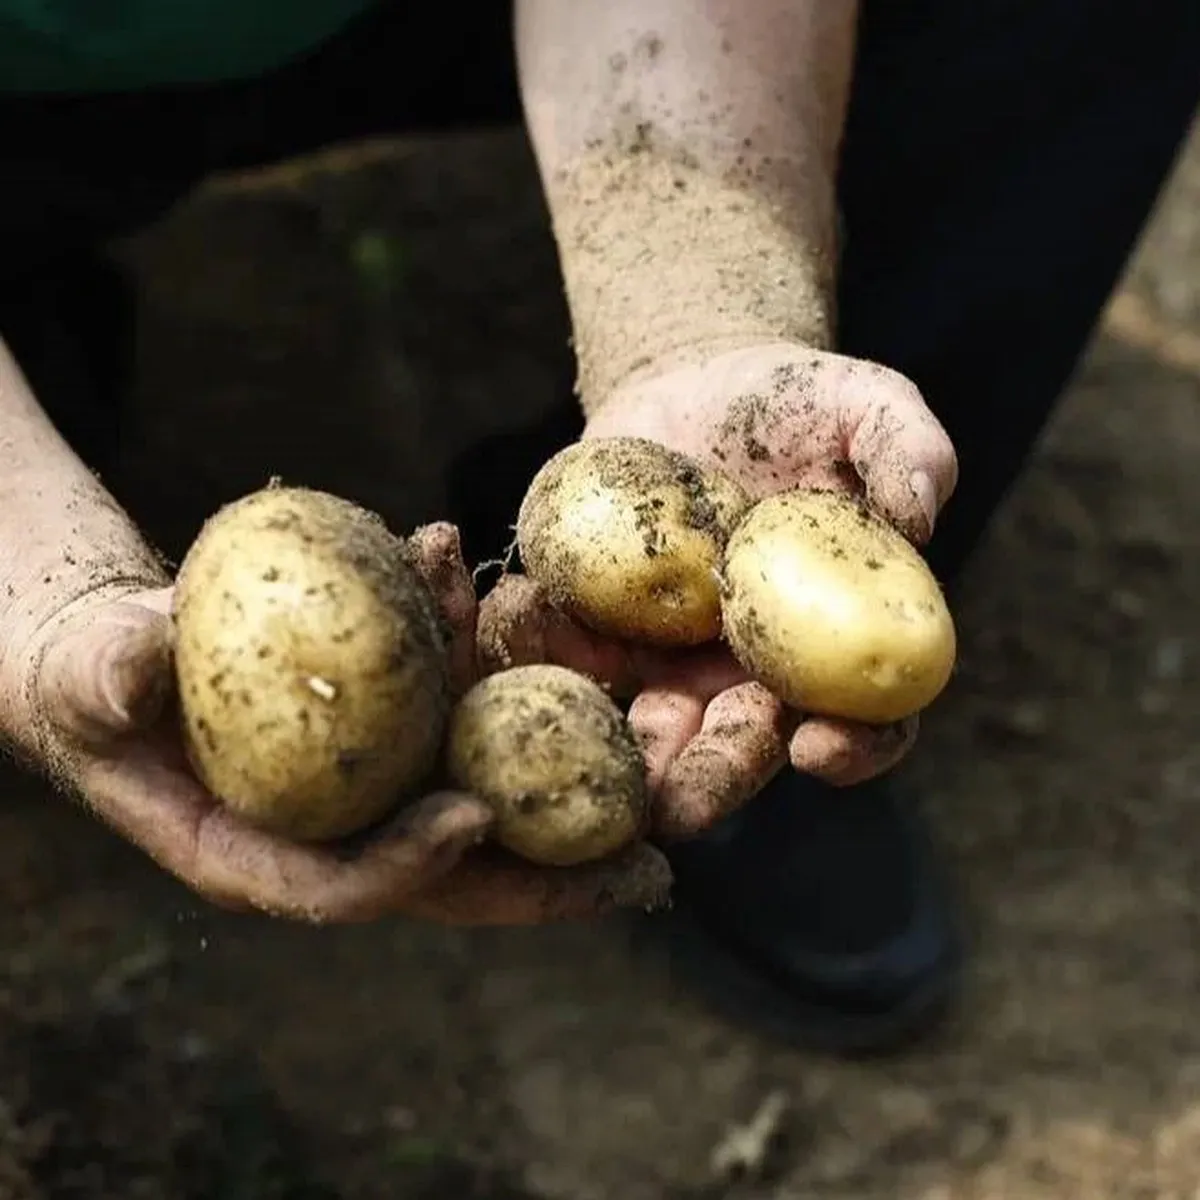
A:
[774,417]
[94,687]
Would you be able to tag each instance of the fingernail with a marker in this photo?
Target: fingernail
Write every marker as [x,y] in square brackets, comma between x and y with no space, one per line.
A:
[458,827]
[396,833]
[453,848]
[926,494]
[133,681]
[112,693]
[641,880]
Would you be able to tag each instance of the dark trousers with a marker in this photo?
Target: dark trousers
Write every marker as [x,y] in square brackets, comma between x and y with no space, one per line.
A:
[1001,158]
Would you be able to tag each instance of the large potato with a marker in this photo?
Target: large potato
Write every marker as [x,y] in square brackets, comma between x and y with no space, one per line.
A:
[627,536]
[829,606]
[550,752]
[311,667]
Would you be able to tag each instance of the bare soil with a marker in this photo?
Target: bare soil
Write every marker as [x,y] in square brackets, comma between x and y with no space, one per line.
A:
[352,323]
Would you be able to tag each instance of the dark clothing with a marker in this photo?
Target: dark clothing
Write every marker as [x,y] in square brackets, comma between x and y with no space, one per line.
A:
[1000,160]
[79,168]
[52,46]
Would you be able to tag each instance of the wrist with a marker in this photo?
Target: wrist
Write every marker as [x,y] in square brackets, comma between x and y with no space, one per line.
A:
[68,539]
[28,627]
[62,534]
[666,264]
[65,545]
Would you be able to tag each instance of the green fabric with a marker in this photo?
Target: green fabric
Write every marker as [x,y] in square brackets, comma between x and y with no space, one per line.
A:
[124,45]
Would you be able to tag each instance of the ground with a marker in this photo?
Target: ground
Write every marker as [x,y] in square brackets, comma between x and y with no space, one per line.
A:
[321,323]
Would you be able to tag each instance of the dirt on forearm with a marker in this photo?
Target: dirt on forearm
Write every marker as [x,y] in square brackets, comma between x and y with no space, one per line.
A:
[665,260]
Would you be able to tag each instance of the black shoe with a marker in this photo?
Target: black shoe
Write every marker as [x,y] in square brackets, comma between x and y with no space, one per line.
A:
[820,916]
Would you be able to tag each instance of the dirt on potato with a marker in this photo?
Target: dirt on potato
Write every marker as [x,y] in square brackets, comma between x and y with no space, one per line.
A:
[644,570]
[614,471]
[871,637]
[168,1050]
[313,680]
[551,754]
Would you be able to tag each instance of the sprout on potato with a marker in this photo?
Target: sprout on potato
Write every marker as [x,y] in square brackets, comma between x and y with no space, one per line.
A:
[830,607]
[311,667]
[627,535]
[550,752]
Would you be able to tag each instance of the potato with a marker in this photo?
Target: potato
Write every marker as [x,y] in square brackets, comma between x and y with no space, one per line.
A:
[830,607]
[312,672]
[626,536]
[551,753]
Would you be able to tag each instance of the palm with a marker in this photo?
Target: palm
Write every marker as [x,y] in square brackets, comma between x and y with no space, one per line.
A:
[102,713]
[779,417]
[774,417]
[106,713]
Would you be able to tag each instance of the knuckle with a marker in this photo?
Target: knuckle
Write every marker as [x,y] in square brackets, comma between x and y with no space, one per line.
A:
[894,738]
[944,461]
[903,392]
[513,596]
[437,536]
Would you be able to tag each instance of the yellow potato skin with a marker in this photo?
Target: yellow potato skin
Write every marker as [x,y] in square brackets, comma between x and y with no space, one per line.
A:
[550,752]
[832,608]
[627,535]
[312,675]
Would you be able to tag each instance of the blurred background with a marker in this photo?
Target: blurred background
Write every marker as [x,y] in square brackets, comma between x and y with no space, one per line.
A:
[354,321]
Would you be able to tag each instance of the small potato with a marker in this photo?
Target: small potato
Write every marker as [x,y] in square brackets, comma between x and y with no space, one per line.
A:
[627,536]
[311,667]
[830,607]
[551,753]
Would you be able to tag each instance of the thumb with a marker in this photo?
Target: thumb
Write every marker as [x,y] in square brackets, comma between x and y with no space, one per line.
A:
[107,672]
[897,447]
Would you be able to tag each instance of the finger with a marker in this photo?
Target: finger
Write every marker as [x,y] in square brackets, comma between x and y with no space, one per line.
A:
[670,711]
[740,745]
[520,625]
[151,801]
[158,601]
[492,888]
[842,753]
[319,885]
[437,553]
[107,673]
[899,449]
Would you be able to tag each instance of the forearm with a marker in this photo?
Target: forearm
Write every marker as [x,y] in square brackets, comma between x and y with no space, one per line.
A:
[61,534]
[689,152]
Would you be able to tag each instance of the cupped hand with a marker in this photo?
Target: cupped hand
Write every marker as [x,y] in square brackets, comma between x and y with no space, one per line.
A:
[774,417]
[96,688]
